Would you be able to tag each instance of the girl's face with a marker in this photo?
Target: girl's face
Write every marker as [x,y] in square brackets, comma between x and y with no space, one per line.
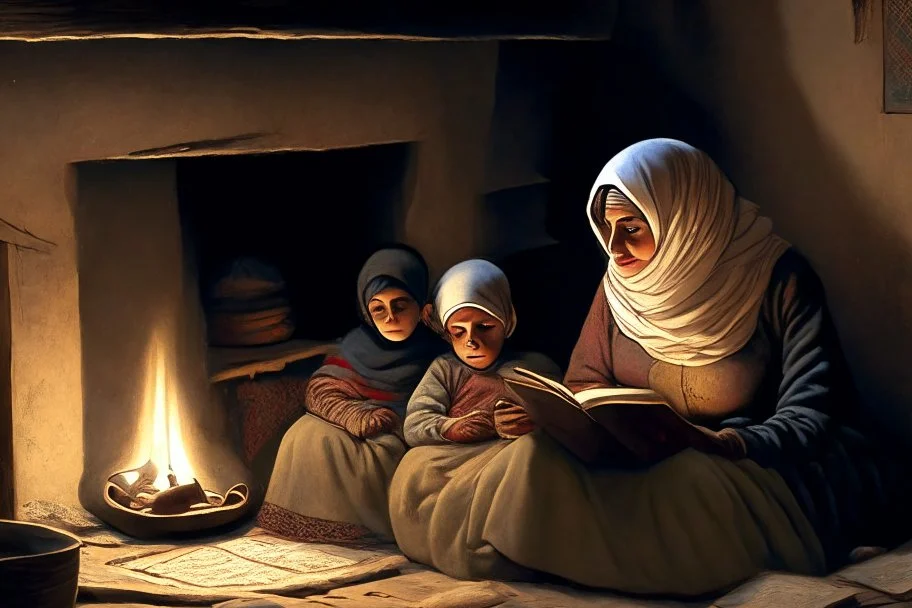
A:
[476,336]
[395,313]
[627,234]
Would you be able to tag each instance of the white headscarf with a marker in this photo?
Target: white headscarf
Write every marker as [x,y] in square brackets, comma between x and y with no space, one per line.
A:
[698,299]
[477,284]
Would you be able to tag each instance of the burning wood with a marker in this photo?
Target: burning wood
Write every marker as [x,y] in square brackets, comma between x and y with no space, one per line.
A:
[136,490]
[163,496]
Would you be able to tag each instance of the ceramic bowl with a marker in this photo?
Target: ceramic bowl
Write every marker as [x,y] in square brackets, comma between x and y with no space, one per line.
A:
[39,566]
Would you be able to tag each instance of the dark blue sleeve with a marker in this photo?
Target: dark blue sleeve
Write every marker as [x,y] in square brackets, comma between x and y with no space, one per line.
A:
[850,489]
[815,383]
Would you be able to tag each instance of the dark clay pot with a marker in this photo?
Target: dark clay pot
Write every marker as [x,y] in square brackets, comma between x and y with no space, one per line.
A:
[39,566]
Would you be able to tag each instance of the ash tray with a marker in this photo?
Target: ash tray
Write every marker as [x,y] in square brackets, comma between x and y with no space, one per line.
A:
[144,511]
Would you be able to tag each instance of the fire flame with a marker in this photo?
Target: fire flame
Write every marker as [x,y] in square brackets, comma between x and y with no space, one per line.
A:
[164,445]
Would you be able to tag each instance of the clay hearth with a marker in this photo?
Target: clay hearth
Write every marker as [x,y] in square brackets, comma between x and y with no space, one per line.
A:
[140,509]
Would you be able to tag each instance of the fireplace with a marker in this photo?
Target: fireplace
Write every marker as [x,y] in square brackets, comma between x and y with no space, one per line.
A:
[116,123]
[155,236]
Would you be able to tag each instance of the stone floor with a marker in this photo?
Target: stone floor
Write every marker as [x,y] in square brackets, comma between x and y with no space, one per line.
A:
[234,570]
[881,581]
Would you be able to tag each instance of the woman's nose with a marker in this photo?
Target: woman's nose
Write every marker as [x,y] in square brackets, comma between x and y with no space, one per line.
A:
[617,245]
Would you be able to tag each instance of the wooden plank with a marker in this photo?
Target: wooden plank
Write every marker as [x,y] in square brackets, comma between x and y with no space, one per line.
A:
[233,146]
[53,20]
[226,363]
[20,237]
[7,487]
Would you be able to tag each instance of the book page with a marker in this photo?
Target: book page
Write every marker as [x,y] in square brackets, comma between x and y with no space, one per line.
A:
[547,382]
[538,394]
[606,394]
[618,394]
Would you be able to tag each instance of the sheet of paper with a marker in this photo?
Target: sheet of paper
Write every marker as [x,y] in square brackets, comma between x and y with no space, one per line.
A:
[285,554]
[241,562]
[890,573]
[211,567]
[776,590]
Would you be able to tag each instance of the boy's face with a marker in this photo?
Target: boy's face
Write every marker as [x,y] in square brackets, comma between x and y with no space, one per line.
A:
[476,336]
[395,313]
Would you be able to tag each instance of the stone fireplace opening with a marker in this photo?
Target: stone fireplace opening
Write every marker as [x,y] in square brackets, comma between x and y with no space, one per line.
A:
[310,217]
[163,362]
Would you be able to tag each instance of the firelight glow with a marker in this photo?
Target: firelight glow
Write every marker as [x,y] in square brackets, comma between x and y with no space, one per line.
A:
[162,403]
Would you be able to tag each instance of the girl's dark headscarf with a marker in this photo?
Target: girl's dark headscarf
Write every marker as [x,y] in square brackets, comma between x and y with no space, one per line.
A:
[396,367]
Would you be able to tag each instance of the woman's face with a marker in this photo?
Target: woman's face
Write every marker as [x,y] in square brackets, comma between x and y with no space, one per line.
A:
[395,313]
[627,235]
[477,337]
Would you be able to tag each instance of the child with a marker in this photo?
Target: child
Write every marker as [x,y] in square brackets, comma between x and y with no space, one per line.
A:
[462,397]
[334,465]
[366,387]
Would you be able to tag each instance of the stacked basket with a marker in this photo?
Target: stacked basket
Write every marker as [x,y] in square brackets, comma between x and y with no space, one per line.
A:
[248,306]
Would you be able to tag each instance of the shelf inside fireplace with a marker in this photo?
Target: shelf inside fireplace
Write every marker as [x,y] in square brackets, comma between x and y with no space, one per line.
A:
[226,363]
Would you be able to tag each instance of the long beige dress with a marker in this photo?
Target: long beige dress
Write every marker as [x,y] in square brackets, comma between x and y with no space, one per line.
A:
[328,484]
[689,525]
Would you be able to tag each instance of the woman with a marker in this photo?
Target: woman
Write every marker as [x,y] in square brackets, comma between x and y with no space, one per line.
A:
[704,304]
[334,465]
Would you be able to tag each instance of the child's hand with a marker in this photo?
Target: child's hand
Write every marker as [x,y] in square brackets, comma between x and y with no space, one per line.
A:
[379,420]
[511,420]
[474,426]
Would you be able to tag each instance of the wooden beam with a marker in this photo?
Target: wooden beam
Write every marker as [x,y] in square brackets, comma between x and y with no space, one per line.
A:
[20,237]
[862,9]
[227,363]
[54,20]
[7,479]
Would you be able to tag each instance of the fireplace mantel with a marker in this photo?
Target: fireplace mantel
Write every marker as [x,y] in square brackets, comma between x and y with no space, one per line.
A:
[276,19]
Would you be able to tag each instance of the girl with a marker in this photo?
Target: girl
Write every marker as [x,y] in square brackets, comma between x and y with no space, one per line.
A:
[334,465]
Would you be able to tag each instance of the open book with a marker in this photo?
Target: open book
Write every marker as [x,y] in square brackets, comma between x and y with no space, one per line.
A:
[610,425]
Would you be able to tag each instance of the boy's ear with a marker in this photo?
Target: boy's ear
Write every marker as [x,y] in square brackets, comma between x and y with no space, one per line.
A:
[430,319]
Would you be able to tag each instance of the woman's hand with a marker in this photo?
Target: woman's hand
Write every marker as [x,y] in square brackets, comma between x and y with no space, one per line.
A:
[726,443]
[511,420]
[729,444]
[473,427]
[653,434]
